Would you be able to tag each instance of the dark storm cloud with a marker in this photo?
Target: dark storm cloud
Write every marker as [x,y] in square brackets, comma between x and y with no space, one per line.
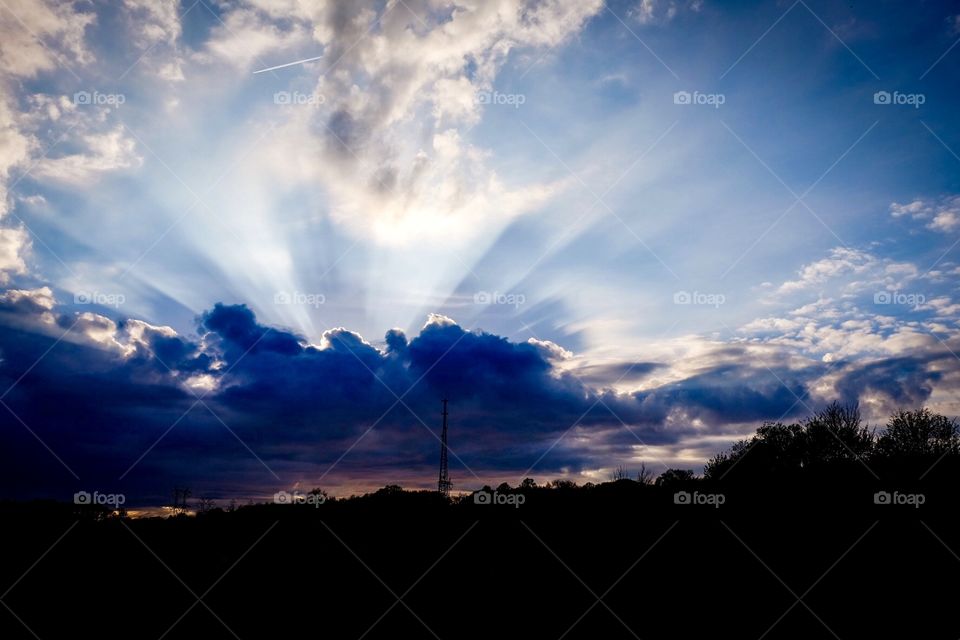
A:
[734,393]
[904,381]
[620,371]
[121,399]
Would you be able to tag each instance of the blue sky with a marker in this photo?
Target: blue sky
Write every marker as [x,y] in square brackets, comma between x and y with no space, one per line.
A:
[529,169]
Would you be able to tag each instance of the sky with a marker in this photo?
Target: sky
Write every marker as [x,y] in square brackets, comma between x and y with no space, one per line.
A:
[611,234]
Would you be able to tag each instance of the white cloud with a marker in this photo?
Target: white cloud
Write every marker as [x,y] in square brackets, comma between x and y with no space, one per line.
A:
[940,215]
[15,149]
[36,36]
[41,298]
[438,320]
[39,35]
[943,306]
[101,152]
[842,261]
[946,221]
[13,243]
[30,308]
[390,142]
[249,32]
[648,12]
[877,308]
[550,350]
[156,21]
[849,272]
[157,29]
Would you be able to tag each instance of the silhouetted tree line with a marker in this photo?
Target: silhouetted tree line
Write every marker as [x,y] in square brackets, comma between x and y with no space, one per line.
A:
[798,499]
[830,448]
[913,444]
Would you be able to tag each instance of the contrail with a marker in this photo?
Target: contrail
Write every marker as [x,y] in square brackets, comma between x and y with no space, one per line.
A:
[289,64]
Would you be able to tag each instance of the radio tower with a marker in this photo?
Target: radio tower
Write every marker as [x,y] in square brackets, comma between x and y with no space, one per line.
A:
[443,486]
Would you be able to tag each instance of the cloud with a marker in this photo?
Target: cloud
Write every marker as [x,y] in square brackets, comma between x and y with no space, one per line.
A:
[648,12]
[13,242]
[40,35]
[15,149]
[401,88]
[28,303]
[101,152]
[946,221]
[111,387]
[939,215]
[850,271]
[882,330]
[157,30]
[841,261]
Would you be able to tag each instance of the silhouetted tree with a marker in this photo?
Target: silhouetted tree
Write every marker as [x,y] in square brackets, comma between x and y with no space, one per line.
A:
[645,476]
[774,447]
[390,489]
[835,434]
[528,483]
[672,477]
[919,433]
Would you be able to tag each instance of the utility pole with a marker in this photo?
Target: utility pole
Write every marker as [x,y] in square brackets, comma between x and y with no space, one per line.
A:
[443,486]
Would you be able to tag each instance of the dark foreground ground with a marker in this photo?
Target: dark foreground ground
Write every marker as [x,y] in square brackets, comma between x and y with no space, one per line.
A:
[621,560]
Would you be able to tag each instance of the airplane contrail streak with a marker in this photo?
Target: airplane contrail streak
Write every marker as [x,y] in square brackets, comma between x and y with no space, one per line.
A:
[289,64]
